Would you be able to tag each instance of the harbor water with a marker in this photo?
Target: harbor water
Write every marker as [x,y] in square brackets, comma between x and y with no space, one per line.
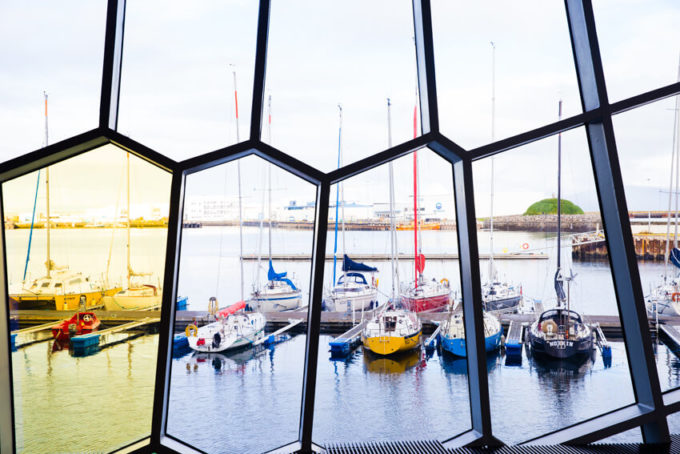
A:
[250,401]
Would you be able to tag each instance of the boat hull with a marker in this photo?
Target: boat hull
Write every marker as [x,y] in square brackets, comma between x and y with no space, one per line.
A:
[277,303]
[425,303]
[79,324]
[68,302]
[456,346]
[387,345]
[560,348]
[131,303]
[346,304]
[234,332]
[502,305]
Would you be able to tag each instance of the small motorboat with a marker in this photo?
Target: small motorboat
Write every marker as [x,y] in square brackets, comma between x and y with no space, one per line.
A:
[80,323]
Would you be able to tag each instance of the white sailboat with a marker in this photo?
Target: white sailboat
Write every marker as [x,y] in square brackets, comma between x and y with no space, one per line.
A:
[138,295]
[60,288]
[498,296]
[233,329]
[352,291]
[279,293]
[664,299]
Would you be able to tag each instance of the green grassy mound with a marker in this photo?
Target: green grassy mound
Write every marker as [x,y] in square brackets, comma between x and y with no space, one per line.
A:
[549,206]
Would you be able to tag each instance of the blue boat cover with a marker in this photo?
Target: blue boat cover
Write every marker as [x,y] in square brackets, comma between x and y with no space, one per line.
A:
[675,256]
[274,276]
[350,265]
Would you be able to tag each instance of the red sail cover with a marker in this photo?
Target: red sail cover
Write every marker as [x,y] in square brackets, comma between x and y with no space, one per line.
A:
[420,263]
[231,309]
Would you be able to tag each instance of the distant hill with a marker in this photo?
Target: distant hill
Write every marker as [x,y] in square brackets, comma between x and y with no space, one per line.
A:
[549,206]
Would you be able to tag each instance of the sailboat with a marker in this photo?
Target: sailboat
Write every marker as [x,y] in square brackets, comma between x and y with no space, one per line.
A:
[392,331]
[422,294]
[664,299]
[352,291]
[560,332]
[138,295]
[60,289]
[279,293]
[497,297]
[453,333]
[233,329]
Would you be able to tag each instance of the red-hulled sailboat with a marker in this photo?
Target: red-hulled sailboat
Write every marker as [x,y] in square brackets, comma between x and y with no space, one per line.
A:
[422,294]
[79,323]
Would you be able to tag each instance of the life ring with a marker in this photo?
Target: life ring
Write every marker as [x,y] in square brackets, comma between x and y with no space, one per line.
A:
[191,330]
[675,297]
[445,282]
[525,246]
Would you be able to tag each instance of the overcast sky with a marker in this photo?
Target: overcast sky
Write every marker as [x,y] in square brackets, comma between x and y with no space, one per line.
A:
[177,87]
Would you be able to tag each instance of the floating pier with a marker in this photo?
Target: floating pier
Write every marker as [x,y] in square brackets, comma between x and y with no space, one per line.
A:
[672,335]
[601,341]
[514,339]
[343,345]
[88,344]
[431,342]
[272,338]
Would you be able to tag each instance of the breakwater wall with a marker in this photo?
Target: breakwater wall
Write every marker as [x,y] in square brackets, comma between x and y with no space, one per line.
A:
[546,223]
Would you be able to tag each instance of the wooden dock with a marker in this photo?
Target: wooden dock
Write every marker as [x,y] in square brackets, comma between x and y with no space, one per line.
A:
[386,257]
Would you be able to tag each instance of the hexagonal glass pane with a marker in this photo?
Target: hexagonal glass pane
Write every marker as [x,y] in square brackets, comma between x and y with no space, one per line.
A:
[49,48]
[181,68]
[638,44]
[383,368]
[556,355]
[647,143]
[244,273]
[495,79]
[322,55]
[83,287]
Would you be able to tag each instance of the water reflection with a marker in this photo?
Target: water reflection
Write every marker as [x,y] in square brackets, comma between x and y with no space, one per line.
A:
[456,365]
[227,363]
[396,363]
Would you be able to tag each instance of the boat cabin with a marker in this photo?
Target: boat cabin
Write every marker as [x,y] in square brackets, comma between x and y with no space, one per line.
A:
[553,321]
[352,278]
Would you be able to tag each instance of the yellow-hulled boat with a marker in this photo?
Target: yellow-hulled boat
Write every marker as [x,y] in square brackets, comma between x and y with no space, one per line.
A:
[391,332]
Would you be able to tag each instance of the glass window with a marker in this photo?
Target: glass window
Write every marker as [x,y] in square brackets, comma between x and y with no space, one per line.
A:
[639,44]
[495,79]
[53,49]
[181,69]
[648,152]
[387,373]
[70,371]
[244,269]
[557,359]
[322,55]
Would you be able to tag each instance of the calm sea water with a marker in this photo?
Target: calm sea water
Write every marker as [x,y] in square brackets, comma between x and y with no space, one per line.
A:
[100,402]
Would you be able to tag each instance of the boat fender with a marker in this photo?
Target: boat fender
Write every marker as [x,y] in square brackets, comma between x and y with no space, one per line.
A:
[445,282]
[675,297]
[191,330]
[217,339]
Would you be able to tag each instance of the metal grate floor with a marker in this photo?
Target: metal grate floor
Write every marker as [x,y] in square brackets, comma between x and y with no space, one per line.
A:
[434,447]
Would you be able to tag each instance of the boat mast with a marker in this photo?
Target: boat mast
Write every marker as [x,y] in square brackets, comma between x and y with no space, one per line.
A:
[269,181]
[238,167]
[393,233]
[676,142]
[558,274]
[129,268]
[416,251]
[337,201]
[48,264]
[492,270]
